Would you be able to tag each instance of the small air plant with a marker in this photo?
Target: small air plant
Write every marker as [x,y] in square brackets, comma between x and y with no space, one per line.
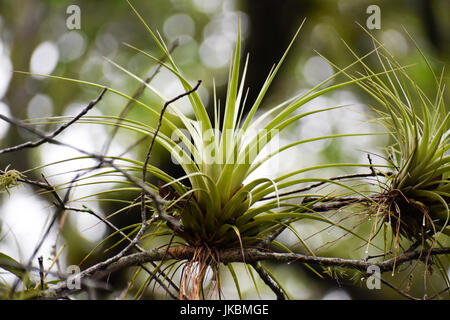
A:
[416,195]
[10,179]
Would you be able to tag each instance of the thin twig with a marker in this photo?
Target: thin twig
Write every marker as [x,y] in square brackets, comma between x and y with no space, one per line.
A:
[41,272]
[398,290]
[47,138]
[147,158]
[315,185]
[269,281]
[438,294]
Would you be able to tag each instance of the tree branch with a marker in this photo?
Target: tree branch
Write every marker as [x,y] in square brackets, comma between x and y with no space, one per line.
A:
[248,255]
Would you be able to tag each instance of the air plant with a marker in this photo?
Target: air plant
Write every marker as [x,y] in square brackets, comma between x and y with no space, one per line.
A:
[9,179]
[415,196]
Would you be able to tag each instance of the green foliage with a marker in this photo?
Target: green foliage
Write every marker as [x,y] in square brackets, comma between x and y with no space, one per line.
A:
[215,206]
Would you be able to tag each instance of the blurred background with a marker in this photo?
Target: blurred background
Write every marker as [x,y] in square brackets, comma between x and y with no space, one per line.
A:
[34,36]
